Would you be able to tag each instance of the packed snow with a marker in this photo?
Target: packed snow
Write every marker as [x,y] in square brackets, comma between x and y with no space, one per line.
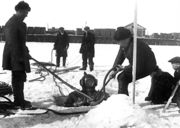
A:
[116,112]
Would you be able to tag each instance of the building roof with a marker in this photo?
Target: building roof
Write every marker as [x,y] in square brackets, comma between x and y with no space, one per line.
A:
[132,24]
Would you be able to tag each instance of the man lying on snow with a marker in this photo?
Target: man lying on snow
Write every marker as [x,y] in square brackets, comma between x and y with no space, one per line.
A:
[88,83]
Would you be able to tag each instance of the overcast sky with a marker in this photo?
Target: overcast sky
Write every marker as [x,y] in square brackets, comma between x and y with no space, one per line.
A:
[161,16]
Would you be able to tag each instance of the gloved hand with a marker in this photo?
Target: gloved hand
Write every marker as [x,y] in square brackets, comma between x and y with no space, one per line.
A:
[112,74]
[115,71]
[119,67]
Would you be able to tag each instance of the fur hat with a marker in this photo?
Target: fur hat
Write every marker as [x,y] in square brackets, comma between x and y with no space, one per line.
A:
[61,28]
[175,60]
[122,33]
[87,28]
[22,6]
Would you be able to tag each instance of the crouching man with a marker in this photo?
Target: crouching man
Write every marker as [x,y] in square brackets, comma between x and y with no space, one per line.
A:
[88,83]
[146,61]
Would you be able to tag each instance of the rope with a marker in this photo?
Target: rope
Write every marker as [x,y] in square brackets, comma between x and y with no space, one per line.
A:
[105,82]
[70,86]
[56,83]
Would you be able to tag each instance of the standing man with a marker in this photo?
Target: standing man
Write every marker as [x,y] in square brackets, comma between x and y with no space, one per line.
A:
[61,46]
[87,49]
[16,54]
[146,61]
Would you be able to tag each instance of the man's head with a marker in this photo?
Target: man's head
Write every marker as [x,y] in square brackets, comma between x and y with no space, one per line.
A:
[123,36]
[22,9]
[61,29]
[86,29]
[175,61]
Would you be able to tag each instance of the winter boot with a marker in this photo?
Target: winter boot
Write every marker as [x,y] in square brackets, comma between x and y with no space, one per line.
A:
[83,68]
[91,67]
[19,101]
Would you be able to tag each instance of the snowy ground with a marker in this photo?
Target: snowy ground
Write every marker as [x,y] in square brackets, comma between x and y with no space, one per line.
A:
[117,112]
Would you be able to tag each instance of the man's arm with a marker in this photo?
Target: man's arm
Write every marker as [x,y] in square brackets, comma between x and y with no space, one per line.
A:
[119,58]
[56,41]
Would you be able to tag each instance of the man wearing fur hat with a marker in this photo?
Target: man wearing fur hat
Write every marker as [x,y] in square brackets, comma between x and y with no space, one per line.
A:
[16,54]
[146,61]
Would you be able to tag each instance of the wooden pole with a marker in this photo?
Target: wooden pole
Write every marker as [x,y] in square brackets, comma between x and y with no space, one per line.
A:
[134,50]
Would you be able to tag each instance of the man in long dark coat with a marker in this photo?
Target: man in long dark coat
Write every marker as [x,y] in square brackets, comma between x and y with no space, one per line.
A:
[16,54]
[87,49]
[146,61]
[61,46]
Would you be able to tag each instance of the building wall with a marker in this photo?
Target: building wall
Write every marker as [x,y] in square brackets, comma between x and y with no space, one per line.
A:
[140,30]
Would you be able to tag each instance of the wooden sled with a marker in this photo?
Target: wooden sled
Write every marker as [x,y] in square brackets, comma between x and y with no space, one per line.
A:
[70,110]
[59,108]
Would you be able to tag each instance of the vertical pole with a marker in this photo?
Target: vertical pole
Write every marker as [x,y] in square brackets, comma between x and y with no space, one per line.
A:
[134,50]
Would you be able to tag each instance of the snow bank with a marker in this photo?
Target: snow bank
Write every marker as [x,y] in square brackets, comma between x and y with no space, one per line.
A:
[118,111]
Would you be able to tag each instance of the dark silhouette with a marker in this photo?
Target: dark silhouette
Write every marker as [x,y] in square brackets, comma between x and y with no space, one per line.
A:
[16,54]
[61,46]
[87,49]
[146,61]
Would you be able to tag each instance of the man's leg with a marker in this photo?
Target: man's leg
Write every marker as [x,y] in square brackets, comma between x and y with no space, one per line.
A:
[57,61]
[18,79]
[149,97]
[91,64]
[84,63]
[124,78]
[122,86]
[64,61]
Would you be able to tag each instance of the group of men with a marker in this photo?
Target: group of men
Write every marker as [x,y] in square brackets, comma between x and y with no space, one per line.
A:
[61,46]
[16,54]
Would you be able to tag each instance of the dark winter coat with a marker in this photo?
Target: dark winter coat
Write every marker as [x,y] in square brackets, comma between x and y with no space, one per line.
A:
[61,44]
[177,76]
[87,45]
[161,86]
[177,94]
[16,53]
[146,61]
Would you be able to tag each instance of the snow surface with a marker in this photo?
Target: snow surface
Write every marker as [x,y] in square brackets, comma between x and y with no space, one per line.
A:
[117,112]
